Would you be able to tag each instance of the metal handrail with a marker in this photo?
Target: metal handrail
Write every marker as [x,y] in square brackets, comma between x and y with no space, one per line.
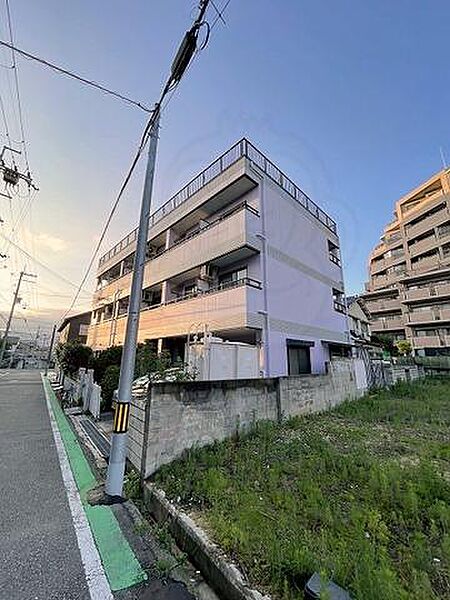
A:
[179,242]
[249,281]
[241,149]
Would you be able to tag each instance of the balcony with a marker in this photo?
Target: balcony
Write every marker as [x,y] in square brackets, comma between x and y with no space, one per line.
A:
[427,341]
[430,291]
[242,150]
[428,223]
[221,308]
[423,246]
[387,324]
[385,280]
[383,305]
[235,231]
[432,315]
[427,264]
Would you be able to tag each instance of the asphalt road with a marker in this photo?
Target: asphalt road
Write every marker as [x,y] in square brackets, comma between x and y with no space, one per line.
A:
[39,556]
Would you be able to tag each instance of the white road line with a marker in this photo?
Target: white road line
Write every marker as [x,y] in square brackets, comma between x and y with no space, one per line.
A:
[95,575]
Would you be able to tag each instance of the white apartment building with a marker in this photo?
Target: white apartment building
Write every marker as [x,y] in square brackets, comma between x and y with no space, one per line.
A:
[242,252]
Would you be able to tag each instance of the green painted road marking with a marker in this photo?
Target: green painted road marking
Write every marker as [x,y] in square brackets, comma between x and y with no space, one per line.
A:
[121,565]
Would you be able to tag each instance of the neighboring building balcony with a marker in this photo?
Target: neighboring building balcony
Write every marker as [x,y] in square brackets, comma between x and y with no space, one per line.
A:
[430,291]
[380,265]
[374,306]
[428,223]
[432,315]
[427,264]
[233,232]
[385,280]
[423,246]
[428,341]
[225,307]
[385,324]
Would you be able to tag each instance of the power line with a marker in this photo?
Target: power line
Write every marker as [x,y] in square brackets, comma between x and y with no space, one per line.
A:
[38,262]
[63,71]
[16,79]
[182,62]
[5,122]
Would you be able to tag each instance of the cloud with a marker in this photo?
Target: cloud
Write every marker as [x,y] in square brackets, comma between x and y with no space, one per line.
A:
[51,242]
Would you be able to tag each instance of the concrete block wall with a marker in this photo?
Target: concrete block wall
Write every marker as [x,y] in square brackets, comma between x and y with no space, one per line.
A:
[303,395]
[198,413]
[185,414]
[396,373]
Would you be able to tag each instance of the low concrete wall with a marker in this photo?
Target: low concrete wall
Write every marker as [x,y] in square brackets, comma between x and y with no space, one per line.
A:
[180,415]
[396,373]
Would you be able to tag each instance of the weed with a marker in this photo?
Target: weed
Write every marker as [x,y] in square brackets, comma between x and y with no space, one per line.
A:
[361,494]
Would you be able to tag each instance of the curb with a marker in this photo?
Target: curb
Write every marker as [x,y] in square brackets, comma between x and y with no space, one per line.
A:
[223,577]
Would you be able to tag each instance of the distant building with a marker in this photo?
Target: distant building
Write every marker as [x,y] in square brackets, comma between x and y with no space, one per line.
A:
[241,252]
[408,293]
[75,328]
[359,323]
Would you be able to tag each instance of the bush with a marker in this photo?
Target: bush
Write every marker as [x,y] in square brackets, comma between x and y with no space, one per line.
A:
[72,356]
[104,359]
[109,383]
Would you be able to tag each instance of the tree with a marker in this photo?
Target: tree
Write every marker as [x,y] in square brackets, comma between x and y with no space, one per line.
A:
[386,342]
[109,383]
[72,356]
[104,359]
[404,347]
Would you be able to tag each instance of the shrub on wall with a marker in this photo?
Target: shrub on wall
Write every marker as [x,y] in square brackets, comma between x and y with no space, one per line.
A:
[109,383]
[72,356]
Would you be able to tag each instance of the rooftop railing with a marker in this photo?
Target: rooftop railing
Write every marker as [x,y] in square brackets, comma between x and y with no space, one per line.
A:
[241,149]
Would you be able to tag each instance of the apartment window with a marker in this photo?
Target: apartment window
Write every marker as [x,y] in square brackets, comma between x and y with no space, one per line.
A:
[299,358]
[338,301]
[233,276]
[334,253]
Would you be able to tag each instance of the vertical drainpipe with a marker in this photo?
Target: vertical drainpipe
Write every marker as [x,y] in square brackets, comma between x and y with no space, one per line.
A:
[265,312]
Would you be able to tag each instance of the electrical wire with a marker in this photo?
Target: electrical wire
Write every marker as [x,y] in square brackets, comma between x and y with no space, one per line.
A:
[79,78]
[16,80]
[5,122]
[170,86]
[169,89]
[39,263]
[220,13]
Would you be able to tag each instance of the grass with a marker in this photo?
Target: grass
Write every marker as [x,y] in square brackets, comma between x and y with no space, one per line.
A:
[361,494]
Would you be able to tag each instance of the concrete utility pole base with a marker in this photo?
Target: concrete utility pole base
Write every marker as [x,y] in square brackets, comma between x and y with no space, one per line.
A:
[98,497]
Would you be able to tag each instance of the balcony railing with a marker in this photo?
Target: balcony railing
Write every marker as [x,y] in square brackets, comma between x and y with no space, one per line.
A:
[430,291]
[247,281]
[381,305]
[243,148]
[387,324]
[427,341]
[177,243]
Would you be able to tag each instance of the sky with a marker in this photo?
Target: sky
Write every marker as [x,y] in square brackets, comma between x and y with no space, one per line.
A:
[349,99]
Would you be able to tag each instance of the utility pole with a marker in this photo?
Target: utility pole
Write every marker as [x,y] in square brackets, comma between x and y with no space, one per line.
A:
[117,458]
[50,349]
[11,314]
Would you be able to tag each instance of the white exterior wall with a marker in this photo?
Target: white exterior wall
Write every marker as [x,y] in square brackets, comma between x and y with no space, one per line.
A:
[291,261]
[300,279]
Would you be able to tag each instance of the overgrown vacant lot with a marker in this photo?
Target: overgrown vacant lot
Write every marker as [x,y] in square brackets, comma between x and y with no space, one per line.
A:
[361,494]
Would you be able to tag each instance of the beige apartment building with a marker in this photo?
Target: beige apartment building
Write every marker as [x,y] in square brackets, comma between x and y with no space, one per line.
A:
[408,293]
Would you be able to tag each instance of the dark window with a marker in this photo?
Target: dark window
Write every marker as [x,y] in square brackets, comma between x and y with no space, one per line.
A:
[299,359]
[233,276]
